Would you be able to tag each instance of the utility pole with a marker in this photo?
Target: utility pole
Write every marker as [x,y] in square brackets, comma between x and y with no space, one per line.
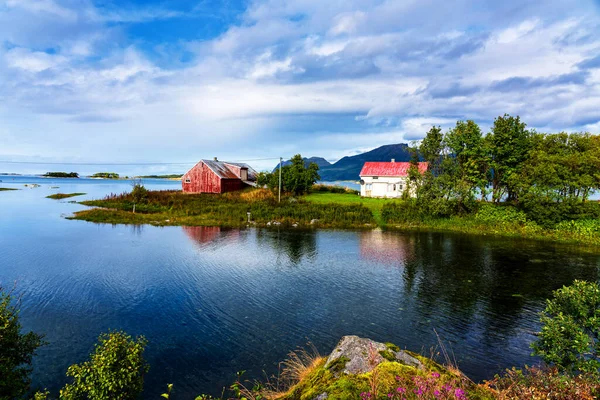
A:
[280,161]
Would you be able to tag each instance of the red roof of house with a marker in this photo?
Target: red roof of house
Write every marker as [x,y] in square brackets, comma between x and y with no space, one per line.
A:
[389,168]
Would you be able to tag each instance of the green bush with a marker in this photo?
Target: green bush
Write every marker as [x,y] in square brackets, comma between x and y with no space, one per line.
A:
[570,336]
[492,214]
[16,350]
[115,370]
[139,193]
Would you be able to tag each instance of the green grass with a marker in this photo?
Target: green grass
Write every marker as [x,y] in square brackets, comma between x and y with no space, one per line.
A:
[373,204]
[6,189]
[59,196]
[177,208]
[494,220]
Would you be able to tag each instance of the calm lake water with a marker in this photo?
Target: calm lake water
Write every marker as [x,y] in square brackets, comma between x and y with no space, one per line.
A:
[213,301]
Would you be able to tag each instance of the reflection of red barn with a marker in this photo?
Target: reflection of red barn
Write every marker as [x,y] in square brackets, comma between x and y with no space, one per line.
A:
[202,234]
[213,176]
[206,235]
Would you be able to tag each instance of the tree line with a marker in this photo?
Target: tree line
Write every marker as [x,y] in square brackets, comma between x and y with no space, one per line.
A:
[549,176]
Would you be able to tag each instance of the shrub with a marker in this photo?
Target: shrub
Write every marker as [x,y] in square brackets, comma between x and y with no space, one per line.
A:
[115,370]
[545,383]
[492,214]
[139,193]
[16,350]
[570,336]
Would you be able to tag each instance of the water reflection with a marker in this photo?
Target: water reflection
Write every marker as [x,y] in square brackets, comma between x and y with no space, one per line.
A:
[291,246]
[214,301]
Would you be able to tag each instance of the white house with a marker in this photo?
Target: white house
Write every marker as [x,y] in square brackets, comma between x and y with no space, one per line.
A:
[385,179]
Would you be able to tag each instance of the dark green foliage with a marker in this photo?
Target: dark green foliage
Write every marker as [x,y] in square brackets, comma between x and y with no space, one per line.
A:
[59,196]
[296,178]
[16,350]
[115,370]
[61,175]
[570,336]
[106,175]
[139,194]
[332,189]
[508,144]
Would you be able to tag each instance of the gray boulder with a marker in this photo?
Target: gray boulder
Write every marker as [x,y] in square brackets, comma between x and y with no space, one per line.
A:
[355,355]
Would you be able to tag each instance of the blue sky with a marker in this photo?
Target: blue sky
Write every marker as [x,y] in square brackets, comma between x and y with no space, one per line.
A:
[176,81]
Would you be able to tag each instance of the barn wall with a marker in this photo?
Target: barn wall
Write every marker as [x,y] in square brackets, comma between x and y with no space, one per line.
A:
[231,185]
[203,180]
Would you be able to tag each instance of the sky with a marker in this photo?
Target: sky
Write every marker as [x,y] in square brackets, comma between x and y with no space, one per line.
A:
[147,81]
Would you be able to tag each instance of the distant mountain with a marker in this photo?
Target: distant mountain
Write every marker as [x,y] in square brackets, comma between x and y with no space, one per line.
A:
[348,168]
[320,161]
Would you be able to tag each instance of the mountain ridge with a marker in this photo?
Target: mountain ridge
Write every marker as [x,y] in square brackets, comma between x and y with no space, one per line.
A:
[348,167]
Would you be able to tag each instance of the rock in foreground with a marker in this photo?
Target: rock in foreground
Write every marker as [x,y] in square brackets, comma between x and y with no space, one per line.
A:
[360,368]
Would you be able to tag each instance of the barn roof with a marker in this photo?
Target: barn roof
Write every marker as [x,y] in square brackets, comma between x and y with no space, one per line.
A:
[221,170]
[389,168]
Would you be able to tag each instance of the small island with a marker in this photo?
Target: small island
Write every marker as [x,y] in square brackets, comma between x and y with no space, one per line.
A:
[6,189]
[171,176]
[105,175]
[59,196]
[61,175]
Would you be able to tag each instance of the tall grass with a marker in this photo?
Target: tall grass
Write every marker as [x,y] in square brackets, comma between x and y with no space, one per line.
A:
[501,220]
[231,209]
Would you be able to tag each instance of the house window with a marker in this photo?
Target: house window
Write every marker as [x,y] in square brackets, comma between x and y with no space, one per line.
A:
[375,177]
[188,180]
[400,187]
[394,188]
[369,186]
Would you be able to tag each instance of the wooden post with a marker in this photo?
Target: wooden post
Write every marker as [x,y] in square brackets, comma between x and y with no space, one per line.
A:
[280,160]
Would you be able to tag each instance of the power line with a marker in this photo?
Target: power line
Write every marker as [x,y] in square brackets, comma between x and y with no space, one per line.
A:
[115,163]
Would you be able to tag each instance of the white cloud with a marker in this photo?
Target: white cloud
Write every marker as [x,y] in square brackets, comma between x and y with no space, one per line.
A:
[515,33]
[42,6]
[31,61]
[347,23]
[371,66]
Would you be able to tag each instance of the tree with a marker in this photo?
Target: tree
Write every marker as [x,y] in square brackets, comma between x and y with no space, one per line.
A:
[508,145]
[139,193]
[297,178]
[570,336]
[16,350]
[431,149]
[115,370]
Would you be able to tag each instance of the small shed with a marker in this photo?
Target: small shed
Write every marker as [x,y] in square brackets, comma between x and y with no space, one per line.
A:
[386,179]
[214,176]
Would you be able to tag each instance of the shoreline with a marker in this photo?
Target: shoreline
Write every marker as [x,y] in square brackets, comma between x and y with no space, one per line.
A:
[229,211]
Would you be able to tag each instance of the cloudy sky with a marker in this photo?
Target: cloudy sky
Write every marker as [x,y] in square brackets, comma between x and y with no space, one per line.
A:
[150,81]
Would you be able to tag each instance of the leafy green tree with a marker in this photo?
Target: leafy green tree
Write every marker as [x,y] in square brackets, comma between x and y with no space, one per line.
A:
[570,336]
[465,143]
[139,193]
[115,370]
[431,148]
[297,178]
[16,350]
[508,144]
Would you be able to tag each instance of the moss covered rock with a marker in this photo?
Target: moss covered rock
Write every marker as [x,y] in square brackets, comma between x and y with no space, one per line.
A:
[361,368]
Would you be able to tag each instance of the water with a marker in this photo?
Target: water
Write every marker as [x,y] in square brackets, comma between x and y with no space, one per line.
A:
[214,301]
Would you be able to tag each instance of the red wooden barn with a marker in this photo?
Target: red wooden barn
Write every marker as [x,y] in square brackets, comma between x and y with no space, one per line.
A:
[214,176]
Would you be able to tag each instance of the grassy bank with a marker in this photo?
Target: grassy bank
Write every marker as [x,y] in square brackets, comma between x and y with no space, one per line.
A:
[332,210]
[497,220]
[374,205]
[177,208]
[59,196]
